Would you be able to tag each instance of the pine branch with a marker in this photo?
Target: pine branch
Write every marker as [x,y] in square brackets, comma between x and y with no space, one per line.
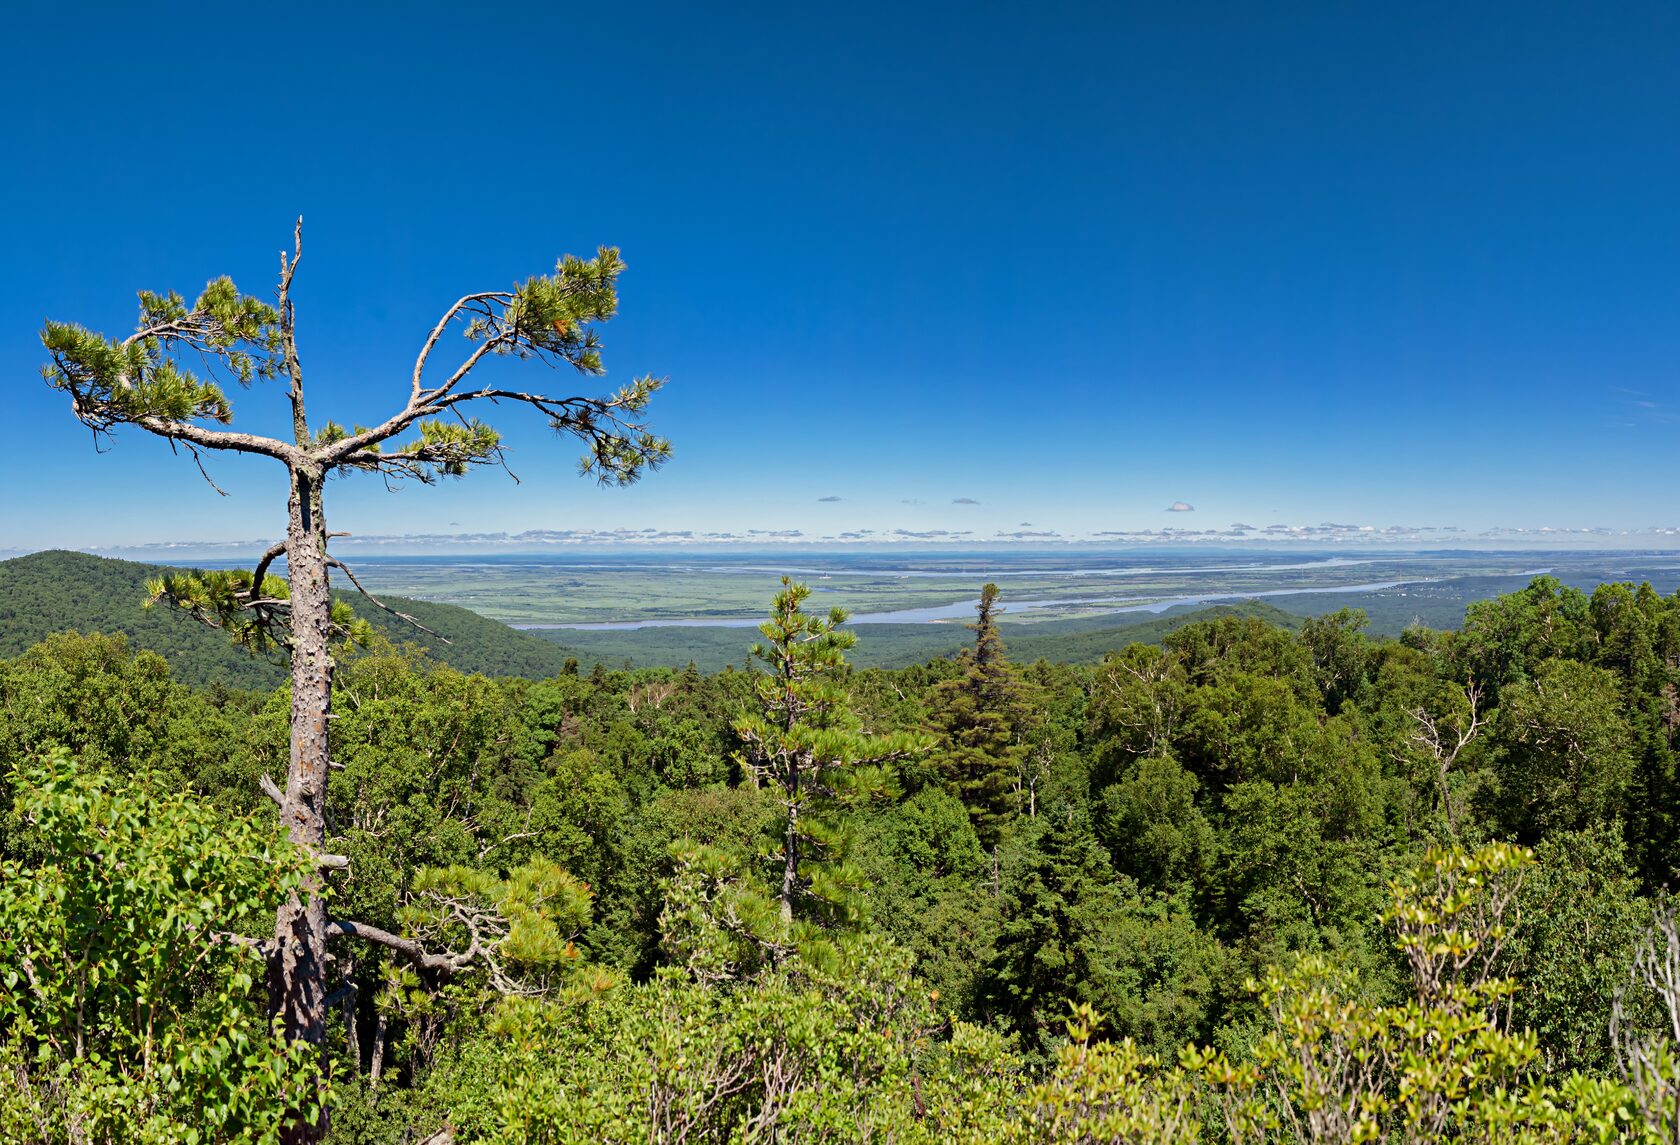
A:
[334,562]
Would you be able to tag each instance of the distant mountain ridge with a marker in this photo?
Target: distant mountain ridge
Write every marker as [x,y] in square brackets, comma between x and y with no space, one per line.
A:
[59,591]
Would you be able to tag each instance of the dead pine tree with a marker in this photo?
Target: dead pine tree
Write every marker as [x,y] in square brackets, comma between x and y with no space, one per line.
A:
[170,378]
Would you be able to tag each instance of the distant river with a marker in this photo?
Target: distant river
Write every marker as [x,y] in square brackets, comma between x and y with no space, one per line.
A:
[965,608]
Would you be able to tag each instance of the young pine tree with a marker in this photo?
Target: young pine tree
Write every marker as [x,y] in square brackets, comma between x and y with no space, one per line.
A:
[804,742]
[978,717]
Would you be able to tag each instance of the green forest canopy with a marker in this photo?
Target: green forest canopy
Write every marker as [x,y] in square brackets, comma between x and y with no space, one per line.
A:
[1440,850]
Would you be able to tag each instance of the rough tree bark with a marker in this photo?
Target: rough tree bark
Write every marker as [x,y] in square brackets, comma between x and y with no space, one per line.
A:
[297,967]
[790,862]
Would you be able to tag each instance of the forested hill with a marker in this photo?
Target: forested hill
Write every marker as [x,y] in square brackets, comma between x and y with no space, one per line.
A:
[58,591]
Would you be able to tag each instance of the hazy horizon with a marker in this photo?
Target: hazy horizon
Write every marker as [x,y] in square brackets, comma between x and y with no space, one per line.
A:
[1306,542]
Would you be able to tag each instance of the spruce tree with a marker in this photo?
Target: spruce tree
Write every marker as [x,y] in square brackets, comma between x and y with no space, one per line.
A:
[978,717]
[804,742]
[1059,895]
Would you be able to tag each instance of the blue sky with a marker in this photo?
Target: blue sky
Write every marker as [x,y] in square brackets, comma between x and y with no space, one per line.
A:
[1305,265]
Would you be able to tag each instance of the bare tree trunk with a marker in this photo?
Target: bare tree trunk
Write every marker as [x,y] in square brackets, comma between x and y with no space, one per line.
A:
[352,1032]
[1446,801]
[790,864]
[298,972]
[790,789]
[376,1068]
